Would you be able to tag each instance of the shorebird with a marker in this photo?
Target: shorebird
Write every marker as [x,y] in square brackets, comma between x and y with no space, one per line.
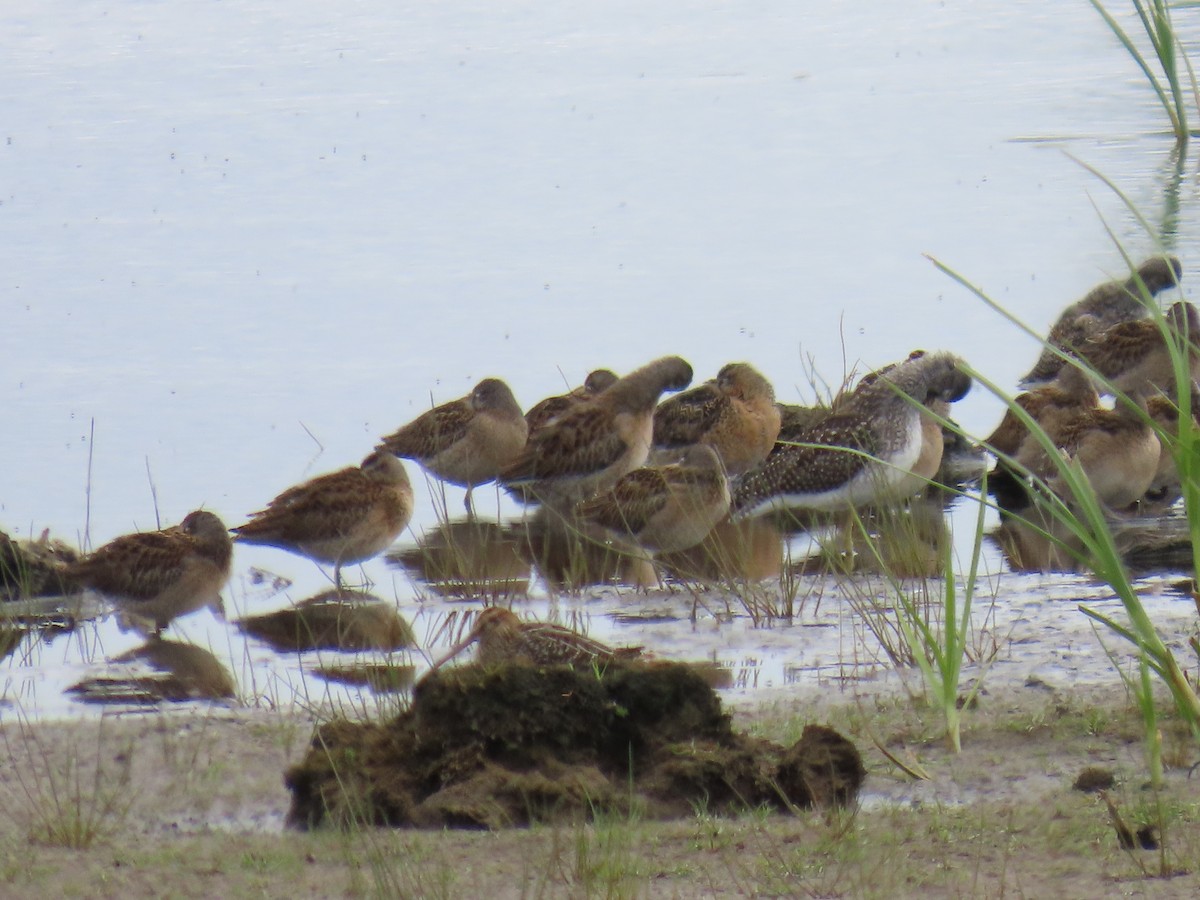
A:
[590,446]
[735,414]
[545,411]
[1135,357]
[1049,406]
[879,444]
[796,420]
[1070,392]
[1166,486]
[1104,306]
[664,508]
[340,518]
[505,639]
[1117,450]
[158,575]
[467,441]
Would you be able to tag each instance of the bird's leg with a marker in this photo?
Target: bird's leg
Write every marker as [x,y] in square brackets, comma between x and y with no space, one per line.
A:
[467,503]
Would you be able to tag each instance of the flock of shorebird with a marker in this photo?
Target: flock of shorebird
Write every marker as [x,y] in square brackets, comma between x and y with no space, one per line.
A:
[613,460]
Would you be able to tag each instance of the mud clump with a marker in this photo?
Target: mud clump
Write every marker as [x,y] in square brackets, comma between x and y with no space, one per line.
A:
[511,745]
[1093,779]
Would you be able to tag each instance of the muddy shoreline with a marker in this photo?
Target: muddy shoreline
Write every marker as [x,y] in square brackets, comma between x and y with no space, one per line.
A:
[203,804]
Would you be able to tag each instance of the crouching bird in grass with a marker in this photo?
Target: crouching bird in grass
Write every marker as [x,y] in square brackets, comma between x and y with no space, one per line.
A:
[591,445]
[155,576]
[505,640]
[467,441]
[341,518]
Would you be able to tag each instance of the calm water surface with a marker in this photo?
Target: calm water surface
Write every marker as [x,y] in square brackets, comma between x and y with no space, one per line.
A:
[245,240]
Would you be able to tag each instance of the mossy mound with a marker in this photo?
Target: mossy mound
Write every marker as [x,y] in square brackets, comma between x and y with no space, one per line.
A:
[511,745]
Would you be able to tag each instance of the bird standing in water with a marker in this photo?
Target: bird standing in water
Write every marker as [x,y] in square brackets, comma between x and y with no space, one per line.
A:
[341,518]
[591,445]
[467,441]
[155,576]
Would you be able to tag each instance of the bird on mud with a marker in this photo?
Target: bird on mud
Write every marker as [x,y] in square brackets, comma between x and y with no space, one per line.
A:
[340,518]
[468,441]
[505,640]
[587,448]
[156,576]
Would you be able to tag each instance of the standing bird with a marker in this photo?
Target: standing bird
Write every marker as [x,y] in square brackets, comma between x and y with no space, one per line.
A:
[735,414]
[1117,449]
[879,444]
[467,441]
[591,445]
[1047,405]
[341,518]
[505,639]
[546,411]
[1167,487]
[1135,357]
[667,508]
[1051,405]
[1104,306]
[155,576]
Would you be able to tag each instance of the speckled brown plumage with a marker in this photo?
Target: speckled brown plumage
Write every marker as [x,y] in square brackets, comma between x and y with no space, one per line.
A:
[796,420]
[1072,391]
[467,441]
[1104,306]
[735,414]
[546,411]
[156,576]
[340,518]
[665,508]
[590,446]
[1166,488]
[505,640]
[880,443]
[1116,448]
[1135,356]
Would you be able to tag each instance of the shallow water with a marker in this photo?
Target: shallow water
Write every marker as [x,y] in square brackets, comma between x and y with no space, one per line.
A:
[244,242]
